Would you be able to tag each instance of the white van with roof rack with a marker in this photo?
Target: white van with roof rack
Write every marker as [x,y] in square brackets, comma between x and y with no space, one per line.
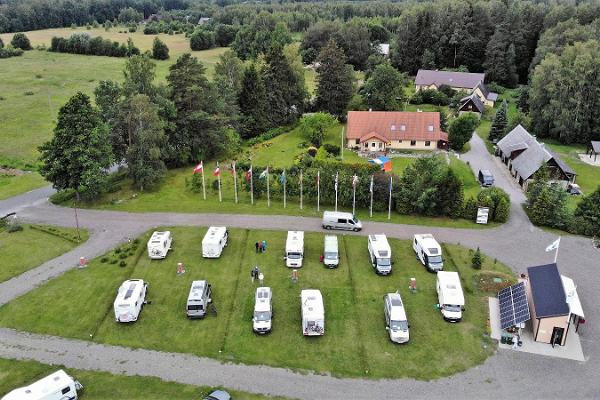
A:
[451,299]
[428,251]
[331,254]
[131,297]
[214,241]
[263,310]
[159,245]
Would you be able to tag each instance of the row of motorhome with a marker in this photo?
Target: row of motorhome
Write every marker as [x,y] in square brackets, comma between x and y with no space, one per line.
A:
[213,243]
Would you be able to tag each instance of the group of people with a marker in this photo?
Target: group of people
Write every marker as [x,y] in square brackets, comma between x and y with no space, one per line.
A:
[261,246]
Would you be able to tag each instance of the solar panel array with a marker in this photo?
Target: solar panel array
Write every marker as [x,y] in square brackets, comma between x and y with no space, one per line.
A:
[514,308]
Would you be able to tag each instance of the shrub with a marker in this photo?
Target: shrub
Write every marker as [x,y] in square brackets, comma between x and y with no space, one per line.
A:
[9,51]
[332,149]
[14,227]
[113,261]
[312,151]
[123,256]
[470,209]
[461,130]
[160,51]
[21,41]
[477,260]
[202,40]
[104,259]
[122,264]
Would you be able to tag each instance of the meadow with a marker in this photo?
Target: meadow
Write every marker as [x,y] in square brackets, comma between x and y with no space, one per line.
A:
[355,342]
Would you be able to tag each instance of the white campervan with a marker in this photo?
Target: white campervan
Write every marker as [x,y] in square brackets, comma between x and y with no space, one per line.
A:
[313,313]
[56,386]
[130,300]
[199,299]
[428,251]
[396,322]
[159,245]
[450,295]
[294,249]
[331,255]
[263,310]
[380,253]
[214,241]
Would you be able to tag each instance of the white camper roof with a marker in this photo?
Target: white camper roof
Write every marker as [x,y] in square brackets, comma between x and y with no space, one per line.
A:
[380,245]
[214,234]
[158,237]
[263,296]
[450,285]
[572,296]
[429,244]
[196,290]
[40,389]
[312,304]
[129,291]
[295,241]
[398,313]
[330,240]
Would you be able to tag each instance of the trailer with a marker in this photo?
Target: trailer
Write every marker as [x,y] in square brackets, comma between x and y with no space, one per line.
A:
[159,245]
[214,241]
[56,386]
[131,297]
[313,313]
[294,249]
[450,295]
[380,254]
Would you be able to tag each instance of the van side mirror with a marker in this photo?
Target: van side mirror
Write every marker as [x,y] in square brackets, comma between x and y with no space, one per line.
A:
[462,308]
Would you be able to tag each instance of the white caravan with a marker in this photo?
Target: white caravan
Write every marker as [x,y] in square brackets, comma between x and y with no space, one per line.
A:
[294,249]
[313,313]
[199,299]
[341,220]
[159,245]
[130,300]
[56,386]
[450,295]
[428,251]
[263,310]
[214,241]
[331,255]
[380,254]
[396,322]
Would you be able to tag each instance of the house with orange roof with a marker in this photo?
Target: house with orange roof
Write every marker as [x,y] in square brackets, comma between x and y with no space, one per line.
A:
[380,131]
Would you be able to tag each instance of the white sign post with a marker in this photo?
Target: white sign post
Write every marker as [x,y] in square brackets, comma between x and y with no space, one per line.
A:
[482,215]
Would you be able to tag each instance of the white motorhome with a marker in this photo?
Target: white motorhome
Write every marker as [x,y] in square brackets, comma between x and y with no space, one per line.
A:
[198,299]
[313,313]
[263,310]
[396,322]
[56,386]
[214,241]
[294,249]
[380,253]
[131,297]
[450,295]
[159,245]
[331,255]
[428,251]
[341,220]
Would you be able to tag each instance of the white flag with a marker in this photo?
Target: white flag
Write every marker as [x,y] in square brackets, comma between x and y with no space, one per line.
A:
[554,245]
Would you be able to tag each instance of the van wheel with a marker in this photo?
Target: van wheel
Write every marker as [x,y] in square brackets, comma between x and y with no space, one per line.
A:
[327,227]
[356,229]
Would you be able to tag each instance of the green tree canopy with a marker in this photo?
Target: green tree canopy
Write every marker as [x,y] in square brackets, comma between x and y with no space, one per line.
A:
[498,129]
[20,41]
[384,90]
[461,130]
[252,102]
[139,73]
[313,127]
[587,214]
[334,81]
[160,51]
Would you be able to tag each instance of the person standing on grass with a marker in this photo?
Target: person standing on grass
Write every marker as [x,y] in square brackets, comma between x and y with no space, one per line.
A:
[252,275]
[264,246]
[260,250]
[256,246]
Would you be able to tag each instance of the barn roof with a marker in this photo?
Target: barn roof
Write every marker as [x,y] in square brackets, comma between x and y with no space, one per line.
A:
[464,80]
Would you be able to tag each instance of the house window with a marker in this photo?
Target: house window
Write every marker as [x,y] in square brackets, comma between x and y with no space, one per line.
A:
[430,128]
[403,127]
[372,144]
[413,142]
[357,141]
[427,143]
[399,141]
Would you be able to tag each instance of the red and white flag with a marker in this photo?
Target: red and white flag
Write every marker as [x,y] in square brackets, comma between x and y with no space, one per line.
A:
[249,174]
[199,168]
[217,171]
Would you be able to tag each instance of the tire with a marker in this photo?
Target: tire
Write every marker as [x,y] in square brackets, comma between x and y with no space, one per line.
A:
[356,229]
[327,227]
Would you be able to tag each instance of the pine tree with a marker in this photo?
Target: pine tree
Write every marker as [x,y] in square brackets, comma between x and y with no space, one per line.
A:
[334,81]
[252,101]
[160,51]
[500,56]
[499,123]
[477,260]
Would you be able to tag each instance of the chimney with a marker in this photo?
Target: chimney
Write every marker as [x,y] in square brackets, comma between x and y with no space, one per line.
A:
[370,109]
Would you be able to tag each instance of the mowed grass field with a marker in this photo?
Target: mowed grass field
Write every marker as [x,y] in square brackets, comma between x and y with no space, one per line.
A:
[34,245]
[12,185]
[102,385]
[355,341]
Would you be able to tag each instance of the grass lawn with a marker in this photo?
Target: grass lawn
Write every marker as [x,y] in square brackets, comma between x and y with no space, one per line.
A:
[465,173]
[355,343]
[103,385]
[34,245]
[12,185]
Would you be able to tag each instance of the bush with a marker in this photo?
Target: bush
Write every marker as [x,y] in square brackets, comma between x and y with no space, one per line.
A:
[9,51]
[83,43]
[160,51]
[461,130]
[498,202]
[62,196]
[202,40]
[104,259]
[470,209]
[14,227]
[312,151]
[430,96]
[270,134]
[332,149]
[122,264]
[477,260]
[20,41]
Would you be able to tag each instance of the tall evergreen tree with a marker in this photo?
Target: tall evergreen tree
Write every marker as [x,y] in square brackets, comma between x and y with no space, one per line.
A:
[500,65]
[79,153]
[499,123]
[334,81]
[160,51]
[252,101]
[384,90]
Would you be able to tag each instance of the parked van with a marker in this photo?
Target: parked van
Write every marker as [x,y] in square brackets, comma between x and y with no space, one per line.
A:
[396,322]
[294,249]
[56,386]
[331,255]
[263,310]
[199,299]
[131,297]
[380,253]
[485,177]
[313,313]
[159,245]
[450,295]
[214,241]
[428,251]
[341,220]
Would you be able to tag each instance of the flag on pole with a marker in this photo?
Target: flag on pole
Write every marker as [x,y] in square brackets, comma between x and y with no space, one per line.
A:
[390,200]
[318,189]
[266,173]
[371,190]
[371,185]
[301,189]
[263,174]
[249,177]
[217,171]
[282,177]
[249,174]
[554,245]
[198,168]
[234,182]
[336,190]
[354,181]
[283,180]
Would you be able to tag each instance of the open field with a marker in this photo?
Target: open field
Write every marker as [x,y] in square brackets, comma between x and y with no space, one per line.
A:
[34,245]
[102,385]
[355,343]
[12,185]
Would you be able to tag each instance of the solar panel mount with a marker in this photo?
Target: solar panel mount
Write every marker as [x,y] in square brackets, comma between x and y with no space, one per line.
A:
[514,307]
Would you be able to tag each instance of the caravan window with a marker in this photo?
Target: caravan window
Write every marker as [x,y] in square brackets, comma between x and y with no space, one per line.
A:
[294,255]
[330,256]
[399,326]
[66,390]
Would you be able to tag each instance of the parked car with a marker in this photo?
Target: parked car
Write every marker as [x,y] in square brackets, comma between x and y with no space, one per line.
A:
[218,395]
[574,190]
[485,178]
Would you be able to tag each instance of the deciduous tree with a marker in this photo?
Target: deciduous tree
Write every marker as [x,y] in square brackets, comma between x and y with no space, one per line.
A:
[160,51]
[461,130]
[384,90]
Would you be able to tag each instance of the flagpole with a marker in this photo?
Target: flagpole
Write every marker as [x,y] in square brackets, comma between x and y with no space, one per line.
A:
[556,253]
[219,181]
[353,196]
[268,192]
[336,190]
[284,197]
[371,206]
[318,189]
[235,183]
[390,200]
[203,187]
[301,189]
[251,185]
[342,146]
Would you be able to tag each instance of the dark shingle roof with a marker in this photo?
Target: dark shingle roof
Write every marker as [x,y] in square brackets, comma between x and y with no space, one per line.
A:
[561,164]
[464,80]
[475,100]
[547,290]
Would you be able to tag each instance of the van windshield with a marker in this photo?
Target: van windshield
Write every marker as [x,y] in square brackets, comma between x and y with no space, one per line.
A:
[452,308]
[355,220]
[384,262]
[195,307]
[294,256]
[331,256]
[262,315]
[435,259]
[399,326]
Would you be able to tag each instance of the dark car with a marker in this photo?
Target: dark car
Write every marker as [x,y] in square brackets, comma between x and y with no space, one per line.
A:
[485,178]
[218,395]
[573,189]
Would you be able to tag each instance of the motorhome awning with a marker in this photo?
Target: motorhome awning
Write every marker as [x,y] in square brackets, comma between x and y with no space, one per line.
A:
[572,296]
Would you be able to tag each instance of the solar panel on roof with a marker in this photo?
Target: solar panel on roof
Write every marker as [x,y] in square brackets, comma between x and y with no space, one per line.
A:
[129,291]
[396,301]
[514,308]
